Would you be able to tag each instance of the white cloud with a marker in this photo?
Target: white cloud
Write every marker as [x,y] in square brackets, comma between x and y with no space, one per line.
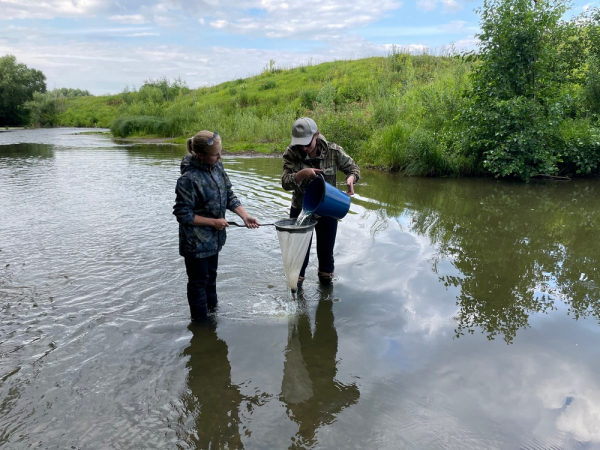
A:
[33,9]
[134,19]
[142,34]
[467,44]
[311,19]
[448,6]
[107,67]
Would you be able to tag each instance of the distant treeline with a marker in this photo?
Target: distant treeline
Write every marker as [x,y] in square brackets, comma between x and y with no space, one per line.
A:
[526,104]
[24,99]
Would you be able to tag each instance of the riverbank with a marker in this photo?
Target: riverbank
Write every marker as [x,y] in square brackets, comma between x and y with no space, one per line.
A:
[4,130]
[174,141]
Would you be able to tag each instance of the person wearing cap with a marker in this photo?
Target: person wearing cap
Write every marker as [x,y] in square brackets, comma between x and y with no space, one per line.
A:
[308,156]
[203,193]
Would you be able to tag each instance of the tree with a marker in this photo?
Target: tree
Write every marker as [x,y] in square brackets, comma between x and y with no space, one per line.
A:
[17,85]
[43,110]
[511,125]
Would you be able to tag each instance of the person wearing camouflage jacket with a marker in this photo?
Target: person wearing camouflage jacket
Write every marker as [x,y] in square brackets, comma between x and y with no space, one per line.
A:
[203,194]
[310,155]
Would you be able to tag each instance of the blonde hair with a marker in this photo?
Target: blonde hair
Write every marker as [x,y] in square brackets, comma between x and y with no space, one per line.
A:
[198,144]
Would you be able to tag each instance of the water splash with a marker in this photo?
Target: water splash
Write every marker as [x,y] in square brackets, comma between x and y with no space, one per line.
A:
[303,217]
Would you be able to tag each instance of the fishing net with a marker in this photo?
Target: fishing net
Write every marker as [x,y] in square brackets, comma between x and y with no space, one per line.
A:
[293,241]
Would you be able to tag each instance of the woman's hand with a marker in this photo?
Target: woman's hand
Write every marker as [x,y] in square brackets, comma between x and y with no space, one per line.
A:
[350,182]
[219,224]
[308,173]
[250,222]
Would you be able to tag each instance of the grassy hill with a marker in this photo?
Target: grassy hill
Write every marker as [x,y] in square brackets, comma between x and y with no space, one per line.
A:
[382,110]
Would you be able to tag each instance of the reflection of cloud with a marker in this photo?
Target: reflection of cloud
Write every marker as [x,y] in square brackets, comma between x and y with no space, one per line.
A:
[582,417]
[579,400]
[527,397]
[547,393]
[395,263]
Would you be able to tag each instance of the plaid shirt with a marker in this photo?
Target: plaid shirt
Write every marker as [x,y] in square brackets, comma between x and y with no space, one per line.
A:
[330,158]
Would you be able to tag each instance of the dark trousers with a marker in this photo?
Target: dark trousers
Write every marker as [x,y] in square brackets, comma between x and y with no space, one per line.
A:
[326,230]
[202,285]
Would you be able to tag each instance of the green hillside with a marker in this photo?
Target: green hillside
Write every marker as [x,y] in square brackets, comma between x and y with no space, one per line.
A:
[89,111]
[359,104]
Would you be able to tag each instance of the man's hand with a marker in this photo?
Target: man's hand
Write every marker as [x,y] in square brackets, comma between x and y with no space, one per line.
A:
[350,182]
[307,174]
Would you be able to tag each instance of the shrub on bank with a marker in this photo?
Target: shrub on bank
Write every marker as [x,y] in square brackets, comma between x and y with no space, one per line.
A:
[141,125]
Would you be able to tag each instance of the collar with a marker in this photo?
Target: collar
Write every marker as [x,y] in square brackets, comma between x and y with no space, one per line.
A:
[321,148]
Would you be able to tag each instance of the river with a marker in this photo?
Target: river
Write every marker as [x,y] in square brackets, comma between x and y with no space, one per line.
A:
[464,312]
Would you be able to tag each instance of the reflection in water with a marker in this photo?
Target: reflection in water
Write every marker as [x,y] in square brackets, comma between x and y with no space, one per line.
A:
[213,401]
[518,250]
[16,153]
[91,334]
[309,389]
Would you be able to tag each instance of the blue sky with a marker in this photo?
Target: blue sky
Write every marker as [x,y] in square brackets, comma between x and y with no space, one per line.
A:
[104,46]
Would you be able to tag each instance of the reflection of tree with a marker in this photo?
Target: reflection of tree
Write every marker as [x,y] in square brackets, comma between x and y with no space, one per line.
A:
[309,389]
[212,400]
[518,248]
[16,153]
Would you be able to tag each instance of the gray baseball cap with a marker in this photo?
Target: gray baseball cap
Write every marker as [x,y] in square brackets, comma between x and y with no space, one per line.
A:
[303,131]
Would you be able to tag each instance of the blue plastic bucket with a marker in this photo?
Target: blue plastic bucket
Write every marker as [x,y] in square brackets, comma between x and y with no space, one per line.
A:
[323,199]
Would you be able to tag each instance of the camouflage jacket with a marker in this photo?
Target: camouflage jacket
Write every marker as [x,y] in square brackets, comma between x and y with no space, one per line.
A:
[202,190]
[330,158]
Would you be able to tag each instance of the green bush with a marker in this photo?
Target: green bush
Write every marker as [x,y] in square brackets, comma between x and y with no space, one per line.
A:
[266,85]
[581,147]
[308,97]
[327,95]
[130,126]
[424,155]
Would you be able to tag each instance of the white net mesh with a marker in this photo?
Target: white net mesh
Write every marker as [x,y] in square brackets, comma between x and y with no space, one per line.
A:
[293,250]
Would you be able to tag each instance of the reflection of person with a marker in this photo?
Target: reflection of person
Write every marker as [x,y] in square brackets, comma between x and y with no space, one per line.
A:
[312,395]
[203,194]
[213,401]
[308,155]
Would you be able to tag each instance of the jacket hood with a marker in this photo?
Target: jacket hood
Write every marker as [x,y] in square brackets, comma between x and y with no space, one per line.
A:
[189,162]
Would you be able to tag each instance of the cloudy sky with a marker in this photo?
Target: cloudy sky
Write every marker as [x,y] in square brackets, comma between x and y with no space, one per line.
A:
[106,45]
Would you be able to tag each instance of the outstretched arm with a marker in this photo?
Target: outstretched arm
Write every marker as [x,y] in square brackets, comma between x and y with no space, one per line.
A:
[250,221]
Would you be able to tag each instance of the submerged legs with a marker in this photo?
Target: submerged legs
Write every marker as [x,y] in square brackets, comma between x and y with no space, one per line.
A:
[202,285]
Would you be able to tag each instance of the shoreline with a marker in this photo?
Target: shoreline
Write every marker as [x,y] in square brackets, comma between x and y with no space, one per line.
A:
[169,141]
[6,130]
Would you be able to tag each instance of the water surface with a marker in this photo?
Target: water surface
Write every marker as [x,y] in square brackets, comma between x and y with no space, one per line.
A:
[464,313]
